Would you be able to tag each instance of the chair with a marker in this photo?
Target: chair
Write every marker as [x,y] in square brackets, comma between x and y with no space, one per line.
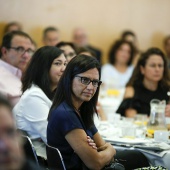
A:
[29,149]
[54,158]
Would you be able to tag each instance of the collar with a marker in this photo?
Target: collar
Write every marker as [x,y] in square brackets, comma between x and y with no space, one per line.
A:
[14,70]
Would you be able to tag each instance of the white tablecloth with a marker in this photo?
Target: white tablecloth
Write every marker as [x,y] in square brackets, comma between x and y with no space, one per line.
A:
[111,133]
[110,103]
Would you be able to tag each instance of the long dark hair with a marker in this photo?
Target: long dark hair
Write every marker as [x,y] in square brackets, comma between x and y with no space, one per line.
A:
[79,64]
[137,76]
[64,43]
[37,71]
[114,48]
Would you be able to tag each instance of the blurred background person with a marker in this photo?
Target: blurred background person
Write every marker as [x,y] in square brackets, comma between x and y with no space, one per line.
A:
[116,73]
[16,52]
[12,26]
[85,51]
[150,80]
[130,36]
[51,36]
[68,48]
[167,49]
[80,39]
[38,86]
[11,146]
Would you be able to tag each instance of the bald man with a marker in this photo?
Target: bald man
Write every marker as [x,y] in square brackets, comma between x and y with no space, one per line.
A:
[80,39]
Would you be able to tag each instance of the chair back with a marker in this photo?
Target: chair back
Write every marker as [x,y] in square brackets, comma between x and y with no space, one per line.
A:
[54,158]
[29,149]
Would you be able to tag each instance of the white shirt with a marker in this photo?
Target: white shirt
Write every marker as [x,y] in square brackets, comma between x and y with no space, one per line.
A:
[10,83]
[112,78]
[31,112]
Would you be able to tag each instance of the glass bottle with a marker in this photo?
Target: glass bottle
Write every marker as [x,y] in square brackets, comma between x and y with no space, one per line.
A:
[157,116]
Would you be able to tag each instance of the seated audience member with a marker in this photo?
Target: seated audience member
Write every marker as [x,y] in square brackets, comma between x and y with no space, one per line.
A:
[70,121]
[118,71]
[150,80]
[80,39]
[68,48]
[11,150]
[51,36]
[85,51]
[12,26]
[130,36]
[38,86]
[167,49]
[16,52]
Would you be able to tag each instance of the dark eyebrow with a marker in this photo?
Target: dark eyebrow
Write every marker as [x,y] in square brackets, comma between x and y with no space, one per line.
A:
[57,60]
[90,79]
[24,48]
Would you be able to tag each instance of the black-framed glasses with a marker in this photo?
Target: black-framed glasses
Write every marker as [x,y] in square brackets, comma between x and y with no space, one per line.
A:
[21,50]
[87,81]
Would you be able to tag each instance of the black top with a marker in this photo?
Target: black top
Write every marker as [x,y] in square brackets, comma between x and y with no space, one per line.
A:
[141,99]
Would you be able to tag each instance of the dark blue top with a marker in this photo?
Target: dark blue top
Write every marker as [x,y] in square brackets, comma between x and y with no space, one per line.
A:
[62,120]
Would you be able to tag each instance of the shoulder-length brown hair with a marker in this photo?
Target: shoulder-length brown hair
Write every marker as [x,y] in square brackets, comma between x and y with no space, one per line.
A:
[137,76]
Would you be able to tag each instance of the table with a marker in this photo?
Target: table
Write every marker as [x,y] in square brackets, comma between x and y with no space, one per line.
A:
[110,99]
[155,159]
[110,133]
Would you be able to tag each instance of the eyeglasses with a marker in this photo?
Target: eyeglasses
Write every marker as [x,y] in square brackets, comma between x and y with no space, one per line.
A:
[87,81]
[21,50]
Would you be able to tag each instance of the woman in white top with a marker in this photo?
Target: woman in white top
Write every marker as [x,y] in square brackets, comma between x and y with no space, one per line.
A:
[38,86]
[117,72]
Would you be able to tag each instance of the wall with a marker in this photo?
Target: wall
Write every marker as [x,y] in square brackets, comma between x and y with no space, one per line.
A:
[104,20]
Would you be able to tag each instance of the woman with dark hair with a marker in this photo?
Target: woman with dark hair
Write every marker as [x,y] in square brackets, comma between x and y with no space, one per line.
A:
[68,49]
[71,115]
[71,127]
[150,80]
[39,84]
[85,51]
[130,36]
[117,72]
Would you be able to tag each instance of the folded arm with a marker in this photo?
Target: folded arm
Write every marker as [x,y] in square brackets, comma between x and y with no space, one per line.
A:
[93,159]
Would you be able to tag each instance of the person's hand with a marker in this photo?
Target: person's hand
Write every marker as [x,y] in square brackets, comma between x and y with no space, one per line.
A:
[102,148]
[91,142]
[167,110]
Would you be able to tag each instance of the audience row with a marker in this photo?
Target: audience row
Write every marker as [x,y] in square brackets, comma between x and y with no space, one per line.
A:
[30,79]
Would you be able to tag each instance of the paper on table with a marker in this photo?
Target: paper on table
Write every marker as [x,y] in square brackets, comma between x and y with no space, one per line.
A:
[154,146]
[126,140]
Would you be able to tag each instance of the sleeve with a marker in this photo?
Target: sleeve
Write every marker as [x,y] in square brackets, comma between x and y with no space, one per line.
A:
[36,113]
[127,104]
[64,120]
[105,73]
[94,130]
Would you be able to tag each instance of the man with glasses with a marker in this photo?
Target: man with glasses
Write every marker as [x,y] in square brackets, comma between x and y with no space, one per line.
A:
[16,51]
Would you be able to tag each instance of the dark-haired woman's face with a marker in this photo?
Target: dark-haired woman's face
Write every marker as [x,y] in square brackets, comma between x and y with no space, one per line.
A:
[123,54]
[81,91]
[57,68]
[153,69]
[68,52]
